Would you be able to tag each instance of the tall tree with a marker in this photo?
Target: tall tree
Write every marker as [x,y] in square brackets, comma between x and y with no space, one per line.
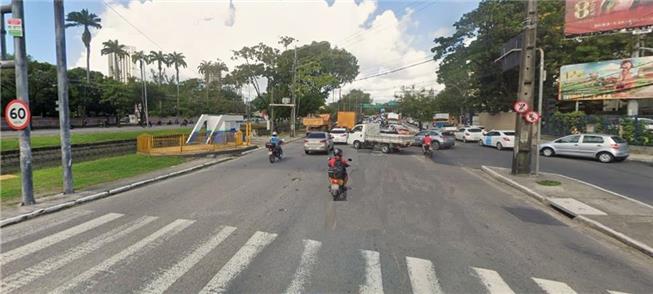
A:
[177,59]
[142,59]
[87,20]
[205,69]
[217,68]
[161,59]
[119,52]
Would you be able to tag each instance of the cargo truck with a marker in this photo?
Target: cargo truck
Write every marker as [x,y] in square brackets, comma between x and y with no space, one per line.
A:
[346,119]
[317,123]
[370,136]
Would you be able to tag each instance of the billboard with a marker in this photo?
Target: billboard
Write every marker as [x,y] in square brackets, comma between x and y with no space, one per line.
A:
[613,79]
[590,16]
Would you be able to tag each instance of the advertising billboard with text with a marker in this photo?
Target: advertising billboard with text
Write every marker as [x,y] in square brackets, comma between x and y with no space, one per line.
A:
[590,16]
[613,79]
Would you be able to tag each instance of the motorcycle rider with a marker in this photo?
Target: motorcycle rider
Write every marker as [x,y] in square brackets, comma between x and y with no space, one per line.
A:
[337,158]
[276,143]
[426,142]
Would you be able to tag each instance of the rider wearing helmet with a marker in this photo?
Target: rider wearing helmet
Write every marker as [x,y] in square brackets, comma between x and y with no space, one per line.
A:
[338,159]
[276,142]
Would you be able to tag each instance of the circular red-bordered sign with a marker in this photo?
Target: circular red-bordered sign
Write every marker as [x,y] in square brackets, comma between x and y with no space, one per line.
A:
[532,117]
[520,106]
[17,114]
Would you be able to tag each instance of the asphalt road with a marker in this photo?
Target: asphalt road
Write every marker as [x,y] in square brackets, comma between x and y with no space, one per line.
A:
[630,178]
[247,226]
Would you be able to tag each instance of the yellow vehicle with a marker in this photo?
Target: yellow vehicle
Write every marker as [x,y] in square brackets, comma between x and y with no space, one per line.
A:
[346,119]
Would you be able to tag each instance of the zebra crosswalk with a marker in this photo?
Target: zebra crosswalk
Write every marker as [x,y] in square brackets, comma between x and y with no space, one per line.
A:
[135,237]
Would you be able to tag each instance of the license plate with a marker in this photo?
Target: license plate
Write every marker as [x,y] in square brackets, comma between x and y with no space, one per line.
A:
[269,153]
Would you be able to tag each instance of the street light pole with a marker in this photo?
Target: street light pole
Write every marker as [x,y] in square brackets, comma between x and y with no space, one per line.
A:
[535,151]
[62,86]
[294,97]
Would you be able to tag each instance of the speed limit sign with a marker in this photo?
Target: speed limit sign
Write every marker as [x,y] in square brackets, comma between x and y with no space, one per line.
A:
[532,117]
[520,106]
[17,114]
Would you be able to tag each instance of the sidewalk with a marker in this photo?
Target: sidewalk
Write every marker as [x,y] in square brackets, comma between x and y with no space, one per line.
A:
[627,220]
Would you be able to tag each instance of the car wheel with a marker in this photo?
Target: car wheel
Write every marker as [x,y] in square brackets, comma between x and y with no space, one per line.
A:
[605,157]
[357,145]
[499,146]
[436,145]
[548,152]
[306,151]
[385,149]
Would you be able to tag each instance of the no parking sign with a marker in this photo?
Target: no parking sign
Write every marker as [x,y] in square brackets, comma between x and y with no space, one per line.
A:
[17,114]
[520,106]
[532,117]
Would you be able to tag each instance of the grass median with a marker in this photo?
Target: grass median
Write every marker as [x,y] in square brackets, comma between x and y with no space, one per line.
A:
[46,141]
[87,174]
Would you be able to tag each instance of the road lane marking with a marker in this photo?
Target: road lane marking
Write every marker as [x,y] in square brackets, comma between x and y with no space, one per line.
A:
[422,276]
[303,272]
[150,241]
[172,274]
[554,287]
[373,277]
[238,262]
[51,264]
[493,281]
[37,245]
[40,226]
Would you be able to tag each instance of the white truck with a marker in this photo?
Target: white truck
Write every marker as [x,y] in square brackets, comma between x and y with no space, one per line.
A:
[370,136]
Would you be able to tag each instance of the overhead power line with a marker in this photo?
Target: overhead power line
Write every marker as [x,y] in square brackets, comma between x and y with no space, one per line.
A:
[394,70]
[132,25]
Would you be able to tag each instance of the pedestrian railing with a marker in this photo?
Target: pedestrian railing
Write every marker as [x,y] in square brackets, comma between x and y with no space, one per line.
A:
[176,144]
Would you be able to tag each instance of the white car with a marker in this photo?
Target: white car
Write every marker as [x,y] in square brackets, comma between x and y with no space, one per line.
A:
[339,135]
[499,139]
[467,134]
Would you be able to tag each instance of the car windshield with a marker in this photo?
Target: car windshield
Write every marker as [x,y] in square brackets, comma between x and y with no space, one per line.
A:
[338,131]
[475,130]
[618,140]
[509,133]
[316,136]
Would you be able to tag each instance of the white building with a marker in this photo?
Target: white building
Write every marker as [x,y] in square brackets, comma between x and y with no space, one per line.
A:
[126,68]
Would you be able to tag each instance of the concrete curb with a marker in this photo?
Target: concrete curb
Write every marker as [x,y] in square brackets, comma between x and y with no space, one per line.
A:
[111,192]
[623,238]
[605,190]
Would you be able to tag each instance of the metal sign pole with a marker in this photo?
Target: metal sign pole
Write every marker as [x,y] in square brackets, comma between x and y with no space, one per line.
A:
[22,91]
[62,86]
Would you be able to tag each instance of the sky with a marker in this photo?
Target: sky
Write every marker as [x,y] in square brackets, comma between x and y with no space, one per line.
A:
[383,35]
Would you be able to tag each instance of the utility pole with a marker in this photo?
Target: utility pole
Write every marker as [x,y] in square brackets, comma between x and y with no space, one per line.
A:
[62,87]
[144,77]
[294,98]
[521,160]
[22,91]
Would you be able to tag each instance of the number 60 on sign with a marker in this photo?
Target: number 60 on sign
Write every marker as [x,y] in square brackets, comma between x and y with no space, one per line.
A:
[17,114]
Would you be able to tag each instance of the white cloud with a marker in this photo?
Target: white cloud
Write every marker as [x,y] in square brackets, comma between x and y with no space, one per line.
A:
[205,30]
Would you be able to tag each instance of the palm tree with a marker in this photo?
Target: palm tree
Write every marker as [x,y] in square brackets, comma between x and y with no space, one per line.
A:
[118,51]
[205,69]
[216,70]
[143,59]
[177,59]
[85,19]
[161,59]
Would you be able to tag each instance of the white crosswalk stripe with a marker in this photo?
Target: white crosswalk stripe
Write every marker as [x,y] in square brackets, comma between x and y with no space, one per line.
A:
[51,264]
[303,272]
[616,292]
[160,284]
[492,281]
[422,276]
[373,277]
[554,287]
[15,233]
[152,240]
[37,245]
[238,262]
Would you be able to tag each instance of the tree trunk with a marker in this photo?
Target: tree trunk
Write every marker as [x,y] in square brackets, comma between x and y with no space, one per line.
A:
[177,70]
[88,64]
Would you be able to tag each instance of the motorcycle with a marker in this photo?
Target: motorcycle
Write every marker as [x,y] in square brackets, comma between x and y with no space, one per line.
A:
[273,152]
[337,184]
[428,152]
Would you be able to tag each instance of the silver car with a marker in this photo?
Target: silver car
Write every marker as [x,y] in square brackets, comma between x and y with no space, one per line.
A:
[318,141]
[605,148]
[440,140]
